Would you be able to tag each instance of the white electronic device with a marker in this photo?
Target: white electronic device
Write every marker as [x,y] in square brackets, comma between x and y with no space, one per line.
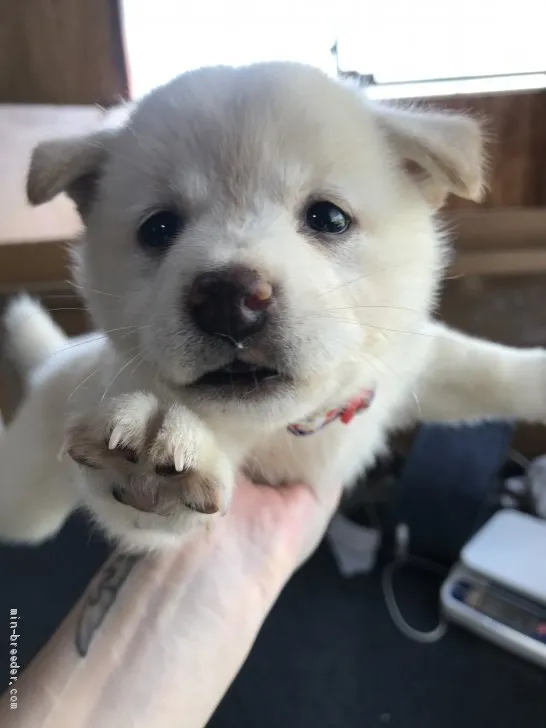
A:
[498,588]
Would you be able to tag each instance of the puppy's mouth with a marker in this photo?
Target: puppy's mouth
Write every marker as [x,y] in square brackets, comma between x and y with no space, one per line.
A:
[239,377]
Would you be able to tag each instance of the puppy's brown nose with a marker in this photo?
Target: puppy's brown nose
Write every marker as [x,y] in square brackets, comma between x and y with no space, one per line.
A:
[233,303]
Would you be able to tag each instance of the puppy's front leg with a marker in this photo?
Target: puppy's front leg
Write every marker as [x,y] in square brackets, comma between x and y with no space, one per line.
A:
[150,474]
[471,379]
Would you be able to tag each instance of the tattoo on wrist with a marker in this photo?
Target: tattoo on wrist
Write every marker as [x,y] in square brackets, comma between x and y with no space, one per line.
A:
[100,597]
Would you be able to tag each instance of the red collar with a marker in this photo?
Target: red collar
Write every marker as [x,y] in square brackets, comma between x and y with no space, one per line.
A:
[345,414]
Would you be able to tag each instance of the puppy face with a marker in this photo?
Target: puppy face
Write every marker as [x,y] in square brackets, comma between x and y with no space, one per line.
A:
[256,237]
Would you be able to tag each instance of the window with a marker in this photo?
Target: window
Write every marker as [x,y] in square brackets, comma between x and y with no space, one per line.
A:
[168,37]
[400,41]
[394,42]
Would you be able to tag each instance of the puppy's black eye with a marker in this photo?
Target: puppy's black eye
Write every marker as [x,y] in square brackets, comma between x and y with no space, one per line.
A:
[325,217]
[159,230]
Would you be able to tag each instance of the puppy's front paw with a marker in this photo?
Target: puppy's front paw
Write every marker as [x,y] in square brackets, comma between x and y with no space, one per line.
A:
[149,470]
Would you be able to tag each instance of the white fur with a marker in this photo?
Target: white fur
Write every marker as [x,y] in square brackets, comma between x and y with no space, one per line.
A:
[241,150]
[31,334]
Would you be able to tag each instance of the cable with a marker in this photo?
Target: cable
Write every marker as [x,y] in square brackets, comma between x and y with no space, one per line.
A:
[403,558]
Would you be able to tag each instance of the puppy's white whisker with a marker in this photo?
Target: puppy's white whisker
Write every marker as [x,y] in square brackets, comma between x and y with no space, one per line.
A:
[92,290]
[454,277]
[87,379]
[364,276]
[387,307]
[52,310]
[134,369]
[364,324]
[120,371]
[96,337]
[343,285]
[81,384]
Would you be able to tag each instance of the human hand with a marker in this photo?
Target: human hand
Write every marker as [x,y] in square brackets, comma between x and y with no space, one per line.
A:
[191,615]
[274,529]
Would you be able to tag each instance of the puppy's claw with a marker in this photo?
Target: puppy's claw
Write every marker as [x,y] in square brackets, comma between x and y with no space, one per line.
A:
[115,437]
[223,505]
[179,461]
[62,450]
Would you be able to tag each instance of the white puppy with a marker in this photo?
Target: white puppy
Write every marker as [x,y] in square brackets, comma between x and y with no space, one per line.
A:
[262,251]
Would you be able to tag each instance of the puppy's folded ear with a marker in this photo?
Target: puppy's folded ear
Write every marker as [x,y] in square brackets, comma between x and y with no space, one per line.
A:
[443,152]
[71,165]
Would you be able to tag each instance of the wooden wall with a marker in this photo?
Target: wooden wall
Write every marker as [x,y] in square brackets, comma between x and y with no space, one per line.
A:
[61,52]
[516,123]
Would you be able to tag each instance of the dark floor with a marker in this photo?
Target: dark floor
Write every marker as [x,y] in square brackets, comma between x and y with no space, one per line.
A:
[328,656]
